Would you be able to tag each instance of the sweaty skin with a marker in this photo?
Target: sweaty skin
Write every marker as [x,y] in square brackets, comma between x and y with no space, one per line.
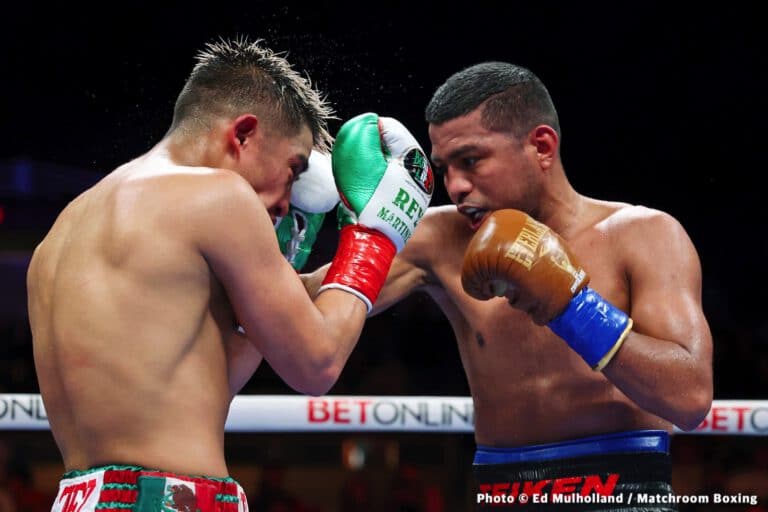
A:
[135,295]
[126,316]
[527,385]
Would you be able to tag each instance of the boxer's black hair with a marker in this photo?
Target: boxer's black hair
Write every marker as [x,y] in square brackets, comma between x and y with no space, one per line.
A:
[513,98]
[238,76]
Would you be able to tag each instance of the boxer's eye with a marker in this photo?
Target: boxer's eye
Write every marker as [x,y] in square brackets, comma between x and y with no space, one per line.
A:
[296,171]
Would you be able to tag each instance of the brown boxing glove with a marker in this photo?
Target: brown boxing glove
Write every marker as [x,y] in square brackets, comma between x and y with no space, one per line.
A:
[515,256]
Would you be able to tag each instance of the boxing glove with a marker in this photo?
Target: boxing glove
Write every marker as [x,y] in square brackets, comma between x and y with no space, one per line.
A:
[312,196]
[514,256]
[385,183]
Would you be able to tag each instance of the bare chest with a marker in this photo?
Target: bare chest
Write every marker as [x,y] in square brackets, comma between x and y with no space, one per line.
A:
[494,337]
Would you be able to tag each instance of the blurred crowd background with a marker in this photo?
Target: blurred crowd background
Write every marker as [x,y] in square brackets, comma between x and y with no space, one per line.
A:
[659,106]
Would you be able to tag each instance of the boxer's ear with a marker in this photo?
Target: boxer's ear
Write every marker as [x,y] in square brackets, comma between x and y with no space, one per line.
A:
[242,132]
[544,140]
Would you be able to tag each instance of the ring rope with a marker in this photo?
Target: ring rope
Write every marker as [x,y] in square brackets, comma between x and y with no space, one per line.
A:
[340,413]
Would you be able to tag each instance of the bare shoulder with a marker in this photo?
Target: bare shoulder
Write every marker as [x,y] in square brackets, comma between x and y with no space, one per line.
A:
[647,238]
[436,232]
[219,197]
[446,209]
[627,222]
[195,194]
[189,204]
[416,266]
[443,221]
[204,185]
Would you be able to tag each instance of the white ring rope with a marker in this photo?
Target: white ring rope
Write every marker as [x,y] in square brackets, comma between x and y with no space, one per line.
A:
[337,413]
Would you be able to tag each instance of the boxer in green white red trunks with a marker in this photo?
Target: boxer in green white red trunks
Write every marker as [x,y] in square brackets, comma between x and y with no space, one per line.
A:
[120,488]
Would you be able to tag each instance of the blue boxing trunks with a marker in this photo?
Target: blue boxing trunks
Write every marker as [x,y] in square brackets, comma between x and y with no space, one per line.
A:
[625,471]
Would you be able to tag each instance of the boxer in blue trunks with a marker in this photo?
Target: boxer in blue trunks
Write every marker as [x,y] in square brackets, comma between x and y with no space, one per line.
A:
[605,472]
[575,317]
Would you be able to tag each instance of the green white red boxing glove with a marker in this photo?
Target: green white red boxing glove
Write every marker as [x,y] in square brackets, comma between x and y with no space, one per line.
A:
[312,196]
[385,183]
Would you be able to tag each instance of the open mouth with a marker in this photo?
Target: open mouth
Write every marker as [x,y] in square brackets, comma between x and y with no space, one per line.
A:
[475,215]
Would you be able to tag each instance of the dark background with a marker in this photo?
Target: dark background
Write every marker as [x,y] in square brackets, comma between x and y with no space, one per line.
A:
[659,105]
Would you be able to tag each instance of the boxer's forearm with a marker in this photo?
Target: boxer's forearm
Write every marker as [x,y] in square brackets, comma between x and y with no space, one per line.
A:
[664,378]
[314,280]
[403,279]
[341,318]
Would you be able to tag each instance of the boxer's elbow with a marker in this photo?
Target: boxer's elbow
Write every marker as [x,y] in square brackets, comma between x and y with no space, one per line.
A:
[319,382]
[694,407]
[323,358]
[319,377]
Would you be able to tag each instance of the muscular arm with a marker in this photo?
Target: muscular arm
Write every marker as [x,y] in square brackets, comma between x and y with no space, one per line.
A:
[306,343]
[313,280]
[407,274]
[242,360]
[665,364]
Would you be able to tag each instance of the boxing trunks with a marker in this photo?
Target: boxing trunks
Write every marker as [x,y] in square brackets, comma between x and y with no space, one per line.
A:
[627,471]
[131,488]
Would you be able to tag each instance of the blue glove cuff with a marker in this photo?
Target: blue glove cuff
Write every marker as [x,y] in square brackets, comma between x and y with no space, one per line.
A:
[592,327]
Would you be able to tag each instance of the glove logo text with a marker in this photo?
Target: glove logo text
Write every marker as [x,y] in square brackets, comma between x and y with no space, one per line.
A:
[418,167]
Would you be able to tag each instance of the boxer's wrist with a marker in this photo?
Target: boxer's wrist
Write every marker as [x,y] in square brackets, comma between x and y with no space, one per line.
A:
[361,264]
[592,327]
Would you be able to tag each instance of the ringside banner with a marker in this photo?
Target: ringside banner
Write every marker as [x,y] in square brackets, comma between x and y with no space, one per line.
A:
[337,413]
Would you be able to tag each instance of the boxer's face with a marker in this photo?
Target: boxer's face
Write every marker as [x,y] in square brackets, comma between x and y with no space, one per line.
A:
[483,170]
[280,159]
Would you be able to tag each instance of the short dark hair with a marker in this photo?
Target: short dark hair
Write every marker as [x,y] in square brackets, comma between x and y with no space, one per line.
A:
[515,100]
[241,76]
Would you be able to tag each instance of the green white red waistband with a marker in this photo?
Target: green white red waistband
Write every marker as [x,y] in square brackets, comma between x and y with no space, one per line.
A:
[131,488]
